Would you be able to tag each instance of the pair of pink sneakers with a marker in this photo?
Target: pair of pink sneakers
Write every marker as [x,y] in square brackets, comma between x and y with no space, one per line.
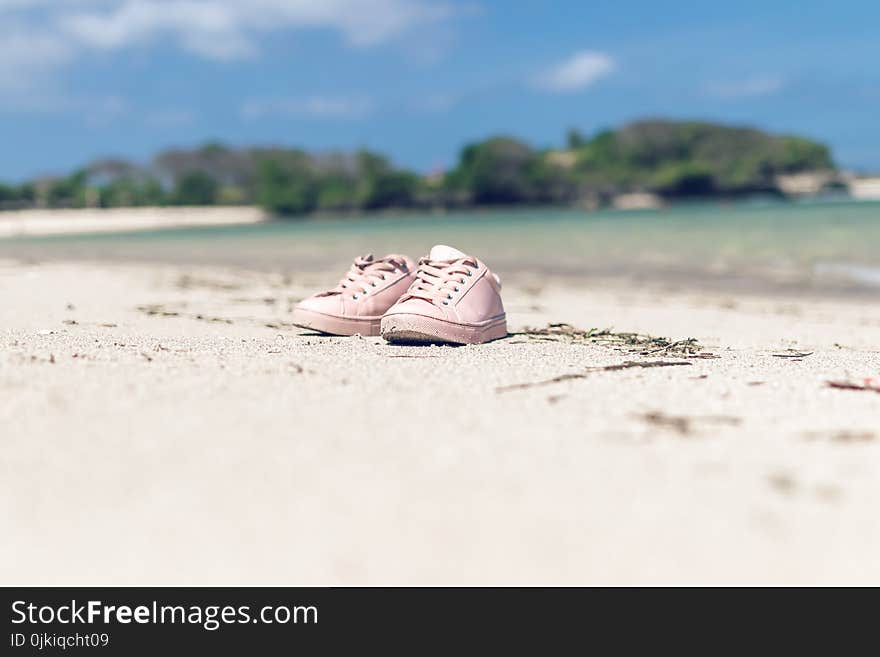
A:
[447,297]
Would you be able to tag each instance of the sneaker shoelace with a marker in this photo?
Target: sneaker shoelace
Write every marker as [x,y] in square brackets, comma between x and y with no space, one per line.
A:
[436,280]
[366,273]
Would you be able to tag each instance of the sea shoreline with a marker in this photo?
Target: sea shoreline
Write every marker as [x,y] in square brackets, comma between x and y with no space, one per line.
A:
[798,251]
[36,222]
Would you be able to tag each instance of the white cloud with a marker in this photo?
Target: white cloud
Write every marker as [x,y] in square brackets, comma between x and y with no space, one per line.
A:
[38,38]
[59,30]
[581,70]
[25,54]
[319,107]
[170,118]
[751,87]
[208,29]
[435,103]
[230,29]
[95,110]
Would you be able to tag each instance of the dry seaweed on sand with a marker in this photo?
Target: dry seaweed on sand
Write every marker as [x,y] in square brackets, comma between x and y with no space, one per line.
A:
[189,282]
[557,332]
[871,384]
[636,343]
[159,310]
[591,370]
[843,436]
[684,424]
[794,354]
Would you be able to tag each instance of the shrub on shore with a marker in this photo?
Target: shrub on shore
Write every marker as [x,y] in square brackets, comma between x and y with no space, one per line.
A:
[669,158]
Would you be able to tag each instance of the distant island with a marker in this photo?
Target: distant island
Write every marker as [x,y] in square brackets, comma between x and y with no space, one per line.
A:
[640,164]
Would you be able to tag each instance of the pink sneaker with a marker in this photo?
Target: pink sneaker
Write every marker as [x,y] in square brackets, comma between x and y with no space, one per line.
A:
[454,298]
[357,303]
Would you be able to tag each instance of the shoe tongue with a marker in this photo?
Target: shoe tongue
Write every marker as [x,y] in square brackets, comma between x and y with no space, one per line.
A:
[443,253]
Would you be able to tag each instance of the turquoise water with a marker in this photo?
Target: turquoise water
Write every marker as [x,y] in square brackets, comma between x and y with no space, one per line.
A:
[807,245]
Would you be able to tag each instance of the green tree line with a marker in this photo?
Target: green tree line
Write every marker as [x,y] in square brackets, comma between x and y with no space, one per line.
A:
[670,158]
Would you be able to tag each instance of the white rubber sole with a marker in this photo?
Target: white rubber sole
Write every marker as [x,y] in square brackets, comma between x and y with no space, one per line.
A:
[336,325]
[418,328]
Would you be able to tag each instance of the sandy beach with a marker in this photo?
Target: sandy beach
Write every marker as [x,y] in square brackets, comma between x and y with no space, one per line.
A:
[26,223]
[167,425]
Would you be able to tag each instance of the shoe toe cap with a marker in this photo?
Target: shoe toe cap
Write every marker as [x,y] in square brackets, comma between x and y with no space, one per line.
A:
[324,304]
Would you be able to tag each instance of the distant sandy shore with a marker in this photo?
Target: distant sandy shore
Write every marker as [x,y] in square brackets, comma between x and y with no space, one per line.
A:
[69,222]
[167,425]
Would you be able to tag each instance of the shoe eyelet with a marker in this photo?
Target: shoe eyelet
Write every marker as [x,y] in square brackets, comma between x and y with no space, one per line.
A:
[458,289]
[448,296]
[462,281]
[470,273]
[383,277]
[354,296]
[373,284]
[445,303]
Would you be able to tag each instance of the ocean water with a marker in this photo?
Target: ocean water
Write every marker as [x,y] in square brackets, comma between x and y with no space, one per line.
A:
[822,246]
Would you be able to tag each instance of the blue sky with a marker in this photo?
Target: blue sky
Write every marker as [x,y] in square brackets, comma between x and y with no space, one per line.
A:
[417,79]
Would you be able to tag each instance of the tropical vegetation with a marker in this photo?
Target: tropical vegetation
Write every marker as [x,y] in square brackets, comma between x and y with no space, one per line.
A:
[672,159]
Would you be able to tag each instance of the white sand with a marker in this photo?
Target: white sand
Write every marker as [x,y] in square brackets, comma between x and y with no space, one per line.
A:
[19,223]
[181,449]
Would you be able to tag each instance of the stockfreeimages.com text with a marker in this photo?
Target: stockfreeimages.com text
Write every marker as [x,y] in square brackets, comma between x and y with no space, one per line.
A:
[211,617]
